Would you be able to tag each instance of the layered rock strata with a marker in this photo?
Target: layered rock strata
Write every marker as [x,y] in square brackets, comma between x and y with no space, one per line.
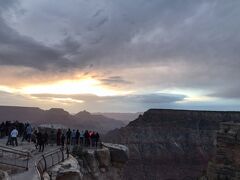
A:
[170,144]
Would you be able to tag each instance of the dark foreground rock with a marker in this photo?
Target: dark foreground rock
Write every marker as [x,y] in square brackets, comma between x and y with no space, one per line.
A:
[170,144]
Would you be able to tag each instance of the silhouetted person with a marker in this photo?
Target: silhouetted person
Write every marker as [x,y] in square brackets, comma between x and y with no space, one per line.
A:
[81,137]
[8,128]
[77,136]
[97,138]
[34,137]
[14,135]
[2,129]
[24,136]
[68,134]
[38,134]
[29,132]
[62,139]
[87,138]
[73,137]
[9,141]
[93,139]
[40,140]
[59,133]
[45,137]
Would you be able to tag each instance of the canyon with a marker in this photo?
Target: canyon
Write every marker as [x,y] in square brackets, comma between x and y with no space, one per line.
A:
[170,144]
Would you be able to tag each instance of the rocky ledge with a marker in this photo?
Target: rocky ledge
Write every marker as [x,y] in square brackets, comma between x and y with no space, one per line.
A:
[87,164]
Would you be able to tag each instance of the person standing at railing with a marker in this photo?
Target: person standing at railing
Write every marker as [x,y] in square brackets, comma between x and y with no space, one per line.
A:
[40,139]
[87,138]
[73,140]
[45,137]
[9,140]
[77,137]
[62,139]
[68,134]
[81,137]
[97,138]
[29,132]
[2,130]
[14,135]
[93,140]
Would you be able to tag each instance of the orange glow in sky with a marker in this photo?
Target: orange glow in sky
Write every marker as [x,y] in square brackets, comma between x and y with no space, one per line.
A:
[68,87]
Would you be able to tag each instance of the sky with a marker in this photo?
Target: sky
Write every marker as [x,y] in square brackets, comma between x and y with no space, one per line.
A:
[120,56]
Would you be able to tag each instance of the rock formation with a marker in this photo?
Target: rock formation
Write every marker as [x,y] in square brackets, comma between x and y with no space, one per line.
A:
[226,162]
[170,144]
[92,164]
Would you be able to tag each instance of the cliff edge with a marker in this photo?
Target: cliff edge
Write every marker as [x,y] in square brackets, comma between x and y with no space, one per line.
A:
[92,164]
[170,144]
[226,163]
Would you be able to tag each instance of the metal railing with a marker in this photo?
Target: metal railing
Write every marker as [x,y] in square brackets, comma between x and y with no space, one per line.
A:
[51,159]
[14,157]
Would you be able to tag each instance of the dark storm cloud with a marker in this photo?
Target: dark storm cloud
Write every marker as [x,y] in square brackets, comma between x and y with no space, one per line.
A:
[19,50]
[24,51]
[157,31]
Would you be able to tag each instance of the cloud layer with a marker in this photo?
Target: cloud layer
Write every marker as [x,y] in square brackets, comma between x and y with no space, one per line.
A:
[141,46]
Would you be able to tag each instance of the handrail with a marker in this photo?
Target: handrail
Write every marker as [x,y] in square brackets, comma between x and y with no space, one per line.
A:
[44,164]
[17,151]
[14,157]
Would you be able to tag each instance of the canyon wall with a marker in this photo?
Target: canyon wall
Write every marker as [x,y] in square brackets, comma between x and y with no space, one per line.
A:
[170,144]
[226,162]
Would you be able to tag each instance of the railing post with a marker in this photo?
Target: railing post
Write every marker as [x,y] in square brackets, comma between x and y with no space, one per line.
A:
[28,156]
[67,152]
[45,163]
[52,160]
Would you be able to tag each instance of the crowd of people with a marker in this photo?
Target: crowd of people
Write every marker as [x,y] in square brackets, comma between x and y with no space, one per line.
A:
[41,139]
[76,137]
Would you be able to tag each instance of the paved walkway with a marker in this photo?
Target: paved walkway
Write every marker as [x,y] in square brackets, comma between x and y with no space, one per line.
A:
[35,156]
[31,173]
